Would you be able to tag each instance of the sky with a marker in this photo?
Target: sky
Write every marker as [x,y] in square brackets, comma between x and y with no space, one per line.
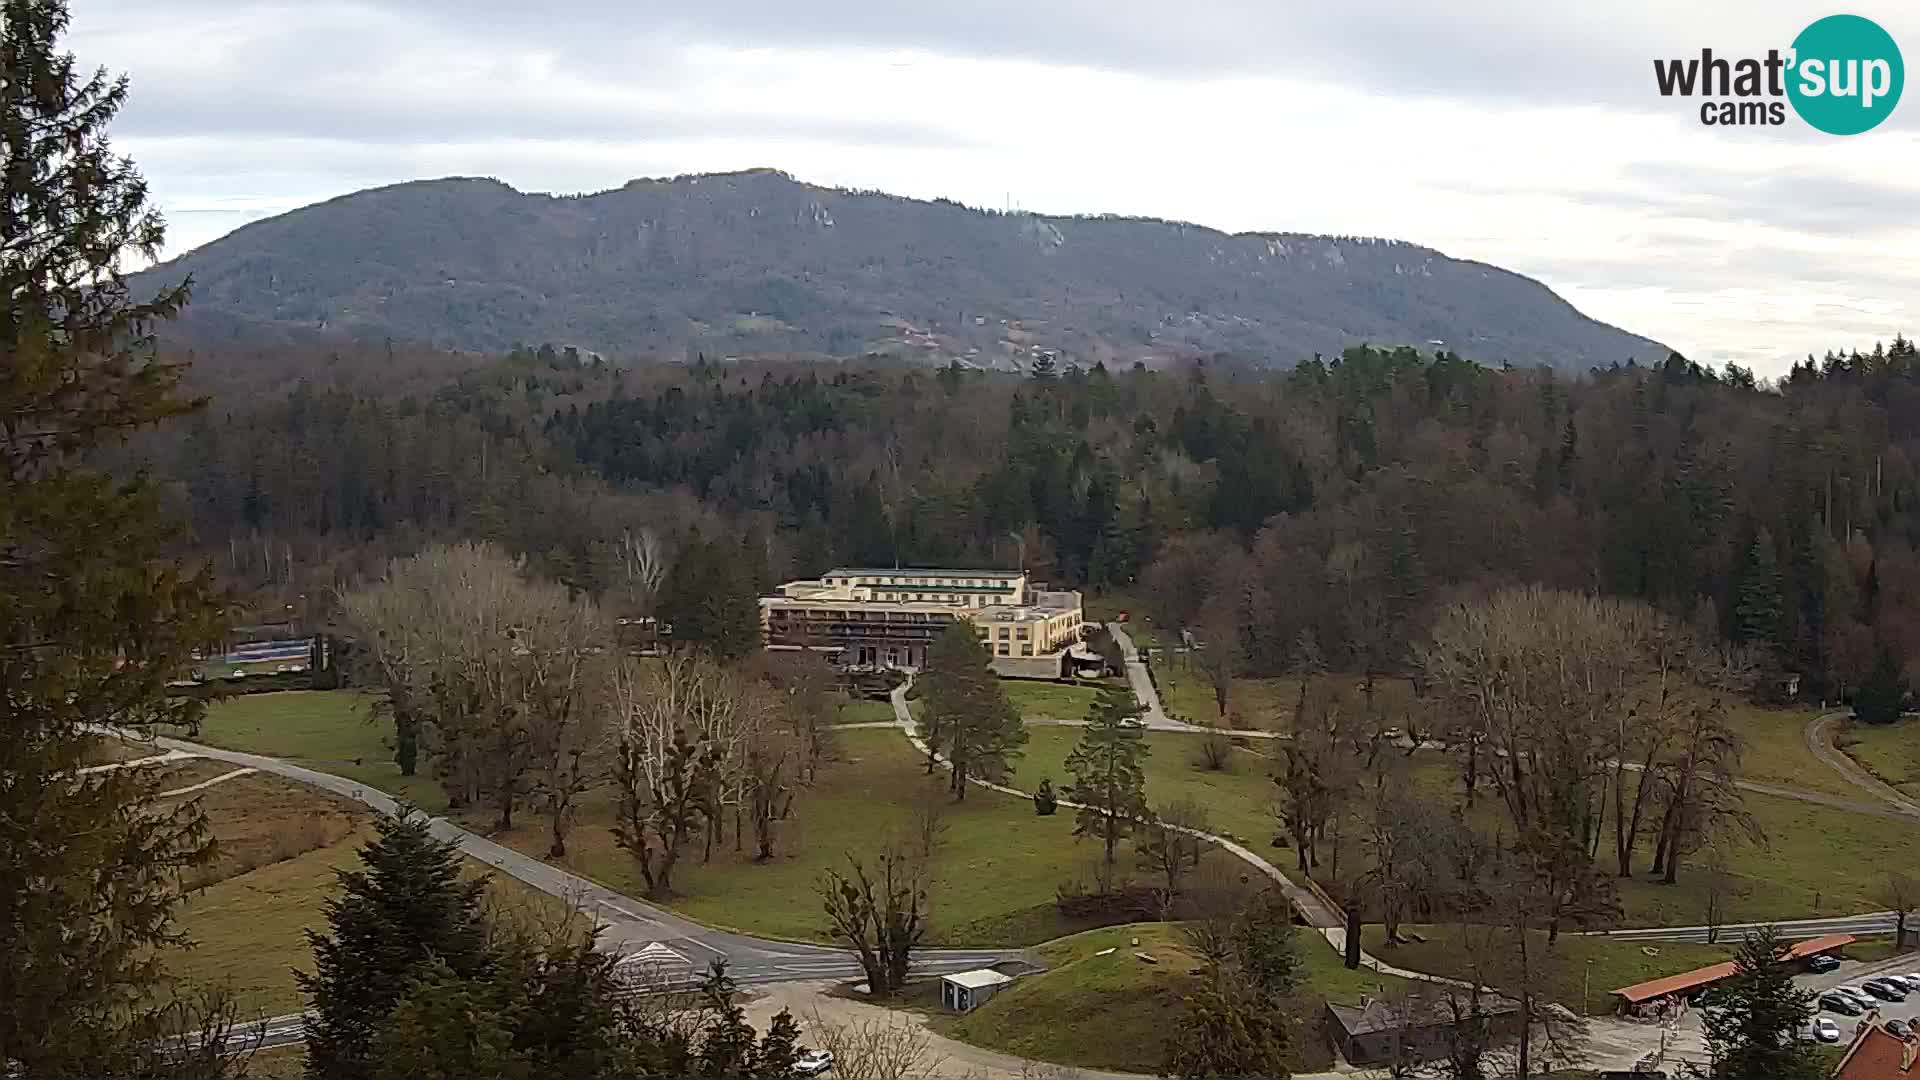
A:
[1525,134]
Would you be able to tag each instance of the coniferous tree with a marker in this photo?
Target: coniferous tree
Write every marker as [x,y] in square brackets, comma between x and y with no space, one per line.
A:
[1879,699]
[408,908]
[95,618]
[1751,1020]
[970,721]
[710,601]
[1759,605]
[1108,782]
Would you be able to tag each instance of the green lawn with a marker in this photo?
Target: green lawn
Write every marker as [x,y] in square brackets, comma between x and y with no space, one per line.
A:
[996,872]
[863,711]
[1614,963]
[1049,700]
[1238,800]
[330,730]
[1776,751]
[1267,704]
[1888,751]
[1116,1011]
[1817,861]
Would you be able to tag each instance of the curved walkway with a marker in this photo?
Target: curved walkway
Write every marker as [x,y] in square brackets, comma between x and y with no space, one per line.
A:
[1819,735]
[630,923]
[1322,918]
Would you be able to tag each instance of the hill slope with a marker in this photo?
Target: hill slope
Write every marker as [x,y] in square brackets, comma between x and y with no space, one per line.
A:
[757,262]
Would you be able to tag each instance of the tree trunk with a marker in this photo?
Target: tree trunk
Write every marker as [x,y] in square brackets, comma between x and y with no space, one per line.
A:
[1351,955]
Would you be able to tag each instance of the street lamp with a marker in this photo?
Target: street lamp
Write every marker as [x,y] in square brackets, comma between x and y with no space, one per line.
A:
[1586,989]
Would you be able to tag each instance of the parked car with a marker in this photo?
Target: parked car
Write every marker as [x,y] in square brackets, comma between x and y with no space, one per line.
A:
[1823,963]
[1899,1029]
[1856,994]
[1826,1030]
[1885,989]
[1842,1004]
[1904,982]
[1132,723]
[813,1062]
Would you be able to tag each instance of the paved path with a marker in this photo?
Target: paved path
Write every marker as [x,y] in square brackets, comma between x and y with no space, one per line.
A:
[1143,689]
[205,784]
[157,759]
[1317,914]
[1819,734]
[630,924]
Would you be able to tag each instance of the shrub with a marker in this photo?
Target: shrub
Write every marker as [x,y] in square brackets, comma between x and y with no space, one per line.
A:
[1044,800]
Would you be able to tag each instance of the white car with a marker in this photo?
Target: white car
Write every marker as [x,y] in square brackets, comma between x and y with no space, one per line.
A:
[1826,1030]
[1858,995]
[813,1062]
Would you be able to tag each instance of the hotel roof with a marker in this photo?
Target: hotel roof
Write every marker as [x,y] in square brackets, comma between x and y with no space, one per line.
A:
[855,571]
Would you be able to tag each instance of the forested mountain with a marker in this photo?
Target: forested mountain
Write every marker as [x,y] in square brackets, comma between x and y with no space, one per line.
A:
[1323,513]
[756,263]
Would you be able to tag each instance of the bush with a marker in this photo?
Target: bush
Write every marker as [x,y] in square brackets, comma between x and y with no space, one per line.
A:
[1044,800]
[1215,753]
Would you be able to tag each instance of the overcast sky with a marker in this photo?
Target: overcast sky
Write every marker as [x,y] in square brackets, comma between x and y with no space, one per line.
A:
[1517,132]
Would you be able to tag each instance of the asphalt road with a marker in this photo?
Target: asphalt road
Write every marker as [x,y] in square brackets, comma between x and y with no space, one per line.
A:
[629,925]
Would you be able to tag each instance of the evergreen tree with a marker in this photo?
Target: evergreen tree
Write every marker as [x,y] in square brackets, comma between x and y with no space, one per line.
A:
[1758,606]
[409,907]
[969,720]
[1108,782]
[710,601]
[95,617]
[1752,1018]
[1880,698]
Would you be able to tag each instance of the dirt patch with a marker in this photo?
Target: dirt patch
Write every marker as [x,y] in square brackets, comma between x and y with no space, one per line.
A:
[259,820]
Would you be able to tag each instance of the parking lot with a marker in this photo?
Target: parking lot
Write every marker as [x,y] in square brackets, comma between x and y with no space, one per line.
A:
[1852,973]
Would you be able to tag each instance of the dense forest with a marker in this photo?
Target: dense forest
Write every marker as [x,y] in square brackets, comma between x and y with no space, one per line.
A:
[1320,513]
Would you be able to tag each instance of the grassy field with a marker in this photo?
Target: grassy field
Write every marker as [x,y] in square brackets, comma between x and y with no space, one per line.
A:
[1238,800]
[249,931]
[1888,751]
[1002,864]
[1816,861]
[996,871]
[1776,751]
[1049,700]
[1115,1011]
[330,730]
[1266,704]
[1614,964]
[862,711]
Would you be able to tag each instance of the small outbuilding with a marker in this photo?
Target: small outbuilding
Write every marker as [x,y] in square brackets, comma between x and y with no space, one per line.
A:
[966,991]
[1418,1028]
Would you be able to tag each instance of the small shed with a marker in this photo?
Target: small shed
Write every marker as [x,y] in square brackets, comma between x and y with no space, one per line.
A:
[965,991]
[1411,1030]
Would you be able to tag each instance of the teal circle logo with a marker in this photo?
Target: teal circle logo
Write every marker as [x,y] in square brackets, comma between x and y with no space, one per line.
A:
[1846,75]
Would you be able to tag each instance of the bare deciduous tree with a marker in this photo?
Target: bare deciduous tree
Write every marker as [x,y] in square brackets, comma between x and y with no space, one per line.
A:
[1901,893]
[492,664]
[1540,678]
[1170,844]
[889,1047]
[882,914]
